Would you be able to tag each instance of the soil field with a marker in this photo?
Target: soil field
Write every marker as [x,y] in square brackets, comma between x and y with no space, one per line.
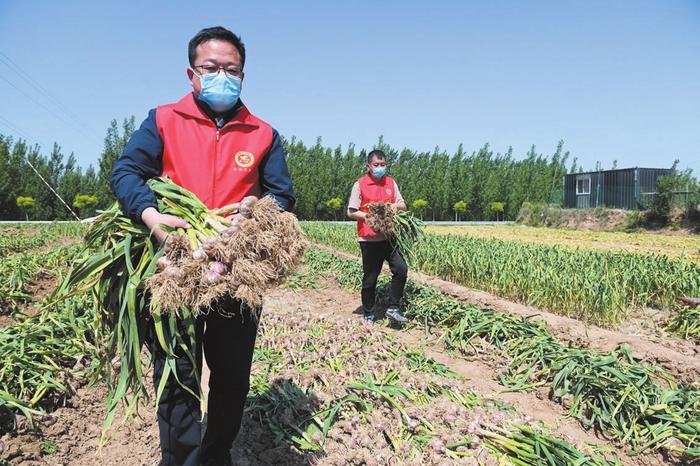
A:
[328,388]
[70,434]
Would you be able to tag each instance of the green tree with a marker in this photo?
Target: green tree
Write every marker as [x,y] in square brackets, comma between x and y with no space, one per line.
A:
[25,203]
[69,185]
[33,185]
[114,144]
[9,181]
[46,186]
[460,207]
[19,179]
[497,208]
[678,190]
[85,203]
[420,205]
[574,166]
[334,204]
[89,181]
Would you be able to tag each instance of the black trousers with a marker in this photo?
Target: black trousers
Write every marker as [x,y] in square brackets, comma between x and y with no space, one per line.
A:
[228,348]
[374,253]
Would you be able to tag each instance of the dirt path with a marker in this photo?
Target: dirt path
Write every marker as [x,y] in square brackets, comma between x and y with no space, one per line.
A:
[42,285]
[679,356]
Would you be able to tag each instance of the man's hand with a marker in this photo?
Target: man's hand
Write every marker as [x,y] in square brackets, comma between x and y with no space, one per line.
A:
[356,214]
[152,218]
[399,206]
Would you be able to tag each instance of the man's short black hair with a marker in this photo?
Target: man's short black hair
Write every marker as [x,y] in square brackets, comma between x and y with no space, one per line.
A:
[215,33]
[376,153]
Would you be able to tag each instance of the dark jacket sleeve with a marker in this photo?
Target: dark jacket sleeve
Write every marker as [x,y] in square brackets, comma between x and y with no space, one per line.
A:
[274,175]
[141,159]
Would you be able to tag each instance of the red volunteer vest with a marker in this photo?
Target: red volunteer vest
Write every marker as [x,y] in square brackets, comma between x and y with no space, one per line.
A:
[219,166]
[371,190]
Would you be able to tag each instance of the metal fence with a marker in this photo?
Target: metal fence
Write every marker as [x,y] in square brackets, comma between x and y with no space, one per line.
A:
[679,199]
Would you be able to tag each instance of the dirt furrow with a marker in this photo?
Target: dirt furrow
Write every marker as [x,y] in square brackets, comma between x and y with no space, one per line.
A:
[679,357]
[481,374]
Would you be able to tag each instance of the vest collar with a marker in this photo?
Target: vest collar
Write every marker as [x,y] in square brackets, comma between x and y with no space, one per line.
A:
[188,107]
[371,180]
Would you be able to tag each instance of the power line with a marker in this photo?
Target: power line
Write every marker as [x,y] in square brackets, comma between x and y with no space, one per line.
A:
[57,116]
[5,122]
[7,61]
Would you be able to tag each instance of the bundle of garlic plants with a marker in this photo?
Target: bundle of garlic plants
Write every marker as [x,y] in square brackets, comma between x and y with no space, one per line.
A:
[139,283]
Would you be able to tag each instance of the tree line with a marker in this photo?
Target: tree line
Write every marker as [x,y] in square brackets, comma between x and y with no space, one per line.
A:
[23,194]
[437,185]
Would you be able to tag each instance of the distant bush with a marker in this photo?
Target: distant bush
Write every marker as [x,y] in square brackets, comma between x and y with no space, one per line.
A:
[658,213]
[692,211]
[537,214]
[634,222]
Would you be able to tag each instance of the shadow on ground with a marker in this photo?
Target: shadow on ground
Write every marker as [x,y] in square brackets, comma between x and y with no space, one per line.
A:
[276,426]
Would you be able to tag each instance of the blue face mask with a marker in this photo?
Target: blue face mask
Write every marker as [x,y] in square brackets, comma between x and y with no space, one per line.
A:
[378,172]
[219,91]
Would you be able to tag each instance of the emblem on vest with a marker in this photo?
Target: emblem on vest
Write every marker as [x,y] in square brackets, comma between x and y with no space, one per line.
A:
[244,159]
[388,191]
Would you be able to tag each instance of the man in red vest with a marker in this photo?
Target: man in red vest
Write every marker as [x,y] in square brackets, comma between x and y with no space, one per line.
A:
[209,143]
[376,186]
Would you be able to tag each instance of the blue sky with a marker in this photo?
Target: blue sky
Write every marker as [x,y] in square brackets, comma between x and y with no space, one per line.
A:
[613,79]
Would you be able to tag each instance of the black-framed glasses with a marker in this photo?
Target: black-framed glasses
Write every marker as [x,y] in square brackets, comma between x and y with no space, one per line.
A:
[230,71]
